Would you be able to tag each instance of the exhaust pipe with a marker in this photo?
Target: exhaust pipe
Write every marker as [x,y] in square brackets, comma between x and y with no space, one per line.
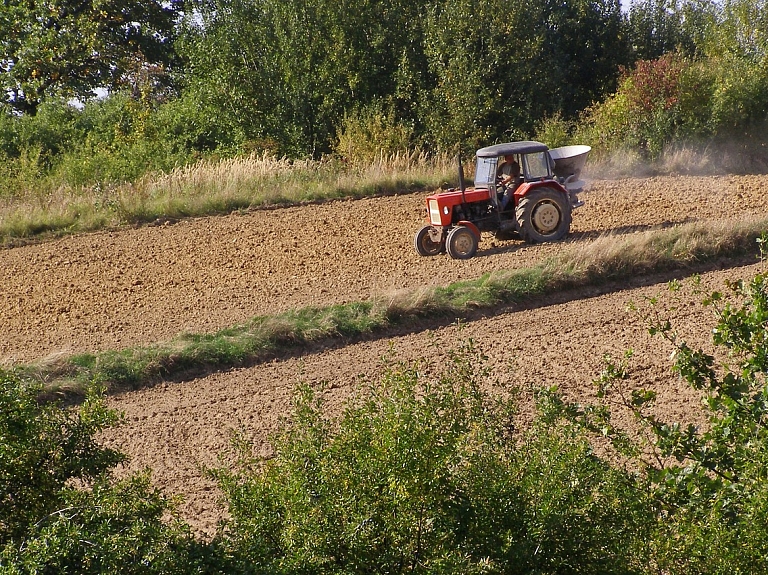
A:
[462,185]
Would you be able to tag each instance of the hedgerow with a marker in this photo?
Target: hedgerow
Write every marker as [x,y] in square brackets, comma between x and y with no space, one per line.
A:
[430,475]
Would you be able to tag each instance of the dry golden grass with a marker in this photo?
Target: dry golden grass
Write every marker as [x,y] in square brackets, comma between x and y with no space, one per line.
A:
[405,302]
[215,187]
[615,255]
[260,178]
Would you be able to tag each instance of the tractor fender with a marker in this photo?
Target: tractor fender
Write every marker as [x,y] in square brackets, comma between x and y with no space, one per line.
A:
[527,187]
[472,227]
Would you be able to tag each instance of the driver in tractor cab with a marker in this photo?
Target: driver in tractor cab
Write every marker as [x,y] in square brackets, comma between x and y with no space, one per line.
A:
[509,177]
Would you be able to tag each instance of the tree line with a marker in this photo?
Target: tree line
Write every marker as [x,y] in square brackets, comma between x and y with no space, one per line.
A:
[311,77]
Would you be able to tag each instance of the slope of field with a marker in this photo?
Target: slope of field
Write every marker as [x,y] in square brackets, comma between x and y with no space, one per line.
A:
[130,287]
[174,428]
[137,286]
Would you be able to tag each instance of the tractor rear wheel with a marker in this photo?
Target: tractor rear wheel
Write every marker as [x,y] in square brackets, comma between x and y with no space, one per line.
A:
[424,243]
[543,215]
[461,243]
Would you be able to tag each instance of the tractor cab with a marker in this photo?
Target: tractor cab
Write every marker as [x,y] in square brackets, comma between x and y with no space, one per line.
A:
[533,202]
[532,157]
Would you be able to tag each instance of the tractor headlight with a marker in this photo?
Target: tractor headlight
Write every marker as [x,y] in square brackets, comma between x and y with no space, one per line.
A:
[434,213]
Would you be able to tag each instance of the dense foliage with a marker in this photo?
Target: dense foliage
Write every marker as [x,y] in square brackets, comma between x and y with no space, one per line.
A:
[432,477]
[678,99]
[497,73]
[707,476]
[69,48]
[113,527]
[282,74]
[715,486]
[60,510]
[42,449]
[303,79]
[425,472]
[701,76]
[456,70]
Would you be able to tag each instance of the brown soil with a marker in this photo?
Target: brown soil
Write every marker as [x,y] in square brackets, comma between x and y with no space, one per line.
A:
[138,286]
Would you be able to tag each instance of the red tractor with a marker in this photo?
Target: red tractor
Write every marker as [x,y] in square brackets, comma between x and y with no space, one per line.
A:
[521,189]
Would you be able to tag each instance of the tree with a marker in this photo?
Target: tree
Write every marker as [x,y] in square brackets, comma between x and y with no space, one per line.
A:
[584,45]
[450,70]
[741,31]
[654,28]
[68,48]
[288,71]
[501,67]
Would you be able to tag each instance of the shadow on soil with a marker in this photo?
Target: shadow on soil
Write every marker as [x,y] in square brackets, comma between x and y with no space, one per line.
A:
[512,244]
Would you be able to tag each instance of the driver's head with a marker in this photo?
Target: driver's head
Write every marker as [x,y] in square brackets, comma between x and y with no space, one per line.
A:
[515,167]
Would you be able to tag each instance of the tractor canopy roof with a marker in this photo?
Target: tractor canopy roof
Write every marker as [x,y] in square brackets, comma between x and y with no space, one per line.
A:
[511,148]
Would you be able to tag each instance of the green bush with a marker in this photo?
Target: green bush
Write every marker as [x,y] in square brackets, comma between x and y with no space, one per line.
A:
[123,139]
[741,93]
[61,512]
[708,483]
[196,124]
[642,114]
[54,129]
[555,131]
[673,99]
[42,448]
[428,477]
[30,146]
[114,527]
[369,134]
[108,141]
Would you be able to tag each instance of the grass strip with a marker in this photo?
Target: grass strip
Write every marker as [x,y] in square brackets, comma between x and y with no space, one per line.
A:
[609,258]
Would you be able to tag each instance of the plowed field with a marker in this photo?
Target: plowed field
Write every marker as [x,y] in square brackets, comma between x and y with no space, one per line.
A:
[131,287]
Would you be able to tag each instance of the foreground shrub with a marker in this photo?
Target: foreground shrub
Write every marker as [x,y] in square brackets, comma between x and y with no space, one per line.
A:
[112,528]
[42,448]
[61,512]
[709,482]
[717,491]
[427,475]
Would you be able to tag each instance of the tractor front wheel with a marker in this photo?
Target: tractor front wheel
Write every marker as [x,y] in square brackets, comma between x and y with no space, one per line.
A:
[461,243]
[543,215]
[424,243]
